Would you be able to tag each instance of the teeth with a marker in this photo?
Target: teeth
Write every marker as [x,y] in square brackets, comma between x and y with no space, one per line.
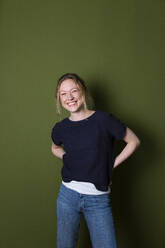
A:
[71,103]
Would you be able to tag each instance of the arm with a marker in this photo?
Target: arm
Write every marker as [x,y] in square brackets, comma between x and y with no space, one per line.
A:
[58,151]
[132,144]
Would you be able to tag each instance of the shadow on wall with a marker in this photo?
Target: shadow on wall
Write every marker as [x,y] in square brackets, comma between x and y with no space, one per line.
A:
[134,224]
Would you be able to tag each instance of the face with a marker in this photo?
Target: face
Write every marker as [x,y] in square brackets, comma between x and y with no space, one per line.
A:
[70,96]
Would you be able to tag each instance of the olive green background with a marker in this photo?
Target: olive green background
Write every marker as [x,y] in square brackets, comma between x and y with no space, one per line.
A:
[117,47]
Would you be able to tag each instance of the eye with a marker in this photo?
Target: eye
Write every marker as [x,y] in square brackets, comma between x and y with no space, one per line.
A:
[74,90]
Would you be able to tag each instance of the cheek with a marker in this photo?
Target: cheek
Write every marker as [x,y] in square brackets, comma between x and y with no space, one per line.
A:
[62,101]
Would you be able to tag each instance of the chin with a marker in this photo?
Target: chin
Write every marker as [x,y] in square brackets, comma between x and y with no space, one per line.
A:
[74,110]
[71,109]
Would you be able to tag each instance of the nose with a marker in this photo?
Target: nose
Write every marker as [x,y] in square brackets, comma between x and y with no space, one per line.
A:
[69,96]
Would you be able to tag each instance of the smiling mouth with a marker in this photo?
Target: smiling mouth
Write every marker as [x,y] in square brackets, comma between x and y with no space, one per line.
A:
[72,103]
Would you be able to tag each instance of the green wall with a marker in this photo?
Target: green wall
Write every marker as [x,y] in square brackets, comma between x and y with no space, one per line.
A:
[117,47]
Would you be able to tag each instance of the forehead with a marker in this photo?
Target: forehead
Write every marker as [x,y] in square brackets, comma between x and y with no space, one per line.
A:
[68,84]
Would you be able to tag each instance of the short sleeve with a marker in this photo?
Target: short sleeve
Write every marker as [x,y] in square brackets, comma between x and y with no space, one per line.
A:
[116,127]
[55,135]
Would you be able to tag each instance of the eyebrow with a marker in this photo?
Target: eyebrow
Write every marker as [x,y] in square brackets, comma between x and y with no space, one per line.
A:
[69,90]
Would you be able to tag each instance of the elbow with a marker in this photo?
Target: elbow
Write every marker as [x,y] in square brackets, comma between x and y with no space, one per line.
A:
[138,142]
[135,143]
[53,150]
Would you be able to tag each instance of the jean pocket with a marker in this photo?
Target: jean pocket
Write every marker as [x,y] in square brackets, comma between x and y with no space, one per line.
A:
[103,199]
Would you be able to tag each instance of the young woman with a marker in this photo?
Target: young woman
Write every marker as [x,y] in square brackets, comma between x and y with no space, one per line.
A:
[85,141]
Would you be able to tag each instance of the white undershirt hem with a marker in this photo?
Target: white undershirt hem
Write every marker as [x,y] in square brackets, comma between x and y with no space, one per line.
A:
[85,188]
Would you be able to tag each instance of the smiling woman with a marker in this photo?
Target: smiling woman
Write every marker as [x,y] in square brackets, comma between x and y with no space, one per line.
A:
[72,92]
[88,160]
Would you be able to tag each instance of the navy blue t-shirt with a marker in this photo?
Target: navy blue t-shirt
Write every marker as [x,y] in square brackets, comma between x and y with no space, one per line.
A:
[89,146]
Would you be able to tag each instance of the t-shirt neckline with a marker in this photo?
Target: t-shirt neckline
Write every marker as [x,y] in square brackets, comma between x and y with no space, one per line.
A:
[83,120]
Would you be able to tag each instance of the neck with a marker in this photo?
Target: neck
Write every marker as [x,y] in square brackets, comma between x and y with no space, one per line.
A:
[79,115]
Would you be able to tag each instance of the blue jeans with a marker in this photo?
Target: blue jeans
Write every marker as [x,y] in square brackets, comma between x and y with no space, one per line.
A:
[97,213]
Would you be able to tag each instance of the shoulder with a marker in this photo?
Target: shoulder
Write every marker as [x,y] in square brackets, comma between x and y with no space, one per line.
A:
[106,114]
[108,117]
[103,115]
[59,124]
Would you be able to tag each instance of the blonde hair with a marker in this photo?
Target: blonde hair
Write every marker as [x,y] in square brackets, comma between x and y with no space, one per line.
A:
[87,99]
